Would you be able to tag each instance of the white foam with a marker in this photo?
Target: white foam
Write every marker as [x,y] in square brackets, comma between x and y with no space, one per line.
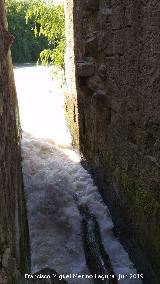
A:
[54,179]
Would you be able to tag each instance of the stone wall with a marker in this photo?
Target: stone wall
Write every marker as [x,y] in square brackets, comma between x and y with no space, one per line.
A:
[113,110]
[71,110]
[13,233]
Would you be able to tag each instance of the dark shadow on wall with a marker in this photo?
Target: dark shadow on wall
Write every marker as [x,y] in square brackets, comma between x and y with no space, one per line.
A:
[13,224]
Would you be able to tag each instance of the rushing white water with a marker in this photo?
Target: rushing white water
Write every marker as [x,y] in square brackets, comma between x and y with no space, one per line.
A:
[54,179]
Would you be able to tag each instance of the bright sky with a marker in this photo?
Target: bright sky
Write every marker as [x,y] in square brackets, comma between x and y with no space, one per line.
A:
[56,1]
[60,1]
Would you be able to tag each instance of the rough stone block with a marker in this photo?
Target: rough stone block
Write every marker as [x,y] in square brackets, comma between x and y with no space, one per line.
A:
[8,40]
[101,98]
[102,40]
[91,5]
[85,69]
[91,45]
[117,18]
[6,257]
[129,15]
[102,70]
[95,83]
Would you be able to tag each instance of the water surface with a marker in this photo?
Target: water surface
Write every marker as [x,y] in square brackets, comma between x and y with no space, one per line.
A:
[55,183]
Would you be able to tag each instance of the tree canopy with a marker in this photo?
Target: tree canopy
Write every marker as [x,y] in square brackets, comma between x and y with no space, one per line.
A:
[26,47]
[49,22]
[38,27]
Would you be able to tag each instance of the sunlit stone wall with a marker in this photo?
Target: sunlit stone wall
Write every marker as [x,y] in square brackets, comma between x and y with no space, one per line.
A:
[70,90]
[115,47]
[12,214]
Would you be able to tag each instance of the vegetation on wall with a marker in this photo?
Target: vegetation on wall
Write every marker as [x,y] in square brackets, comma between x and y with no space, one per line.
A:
[38,28]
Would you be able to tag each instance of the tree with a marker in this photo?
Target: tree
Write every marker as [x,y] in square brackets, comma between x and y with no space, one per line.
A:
[26,47]
[49,21]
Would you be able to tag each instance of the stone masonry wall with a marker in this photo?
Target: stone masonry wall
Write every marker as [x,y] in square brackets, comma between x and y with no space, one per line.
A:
[13,253]
[114,107]
[70,79]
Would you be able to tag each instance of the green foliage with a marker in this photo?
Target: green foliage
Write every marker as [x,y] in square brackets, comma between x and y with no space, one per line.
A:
[55,56]
[26,47]
[38,28]
[49,22]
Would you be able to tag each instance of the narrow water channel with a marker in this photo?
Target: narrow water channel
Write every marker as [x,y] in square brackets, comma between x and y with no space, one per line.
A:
[56,183]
